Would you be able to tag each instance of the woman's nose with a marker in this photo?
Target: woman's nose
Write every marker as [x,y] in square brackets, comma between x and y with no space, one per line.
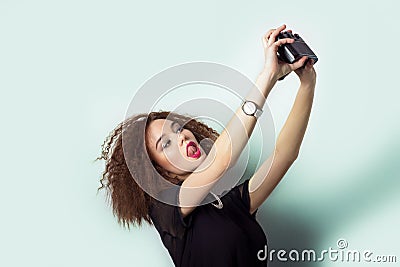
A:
[181,138]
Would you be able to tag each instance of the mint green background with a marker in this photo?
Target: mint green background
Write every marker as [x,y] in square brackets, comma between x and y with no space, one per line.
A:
[69,69]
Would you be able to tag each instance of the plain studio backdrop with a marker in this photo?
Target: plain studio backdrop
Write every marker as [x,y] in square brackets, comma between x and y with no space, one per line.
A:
[69,69]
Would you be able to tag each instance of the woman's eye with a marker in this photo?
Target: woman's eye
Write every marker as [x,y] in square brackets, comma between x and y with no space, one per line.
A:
[177,127]
[166,144]
[180,129]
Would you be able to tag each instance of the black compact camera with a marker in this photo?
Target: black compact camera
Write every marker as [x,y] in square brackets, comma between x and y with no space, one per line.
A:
[292,52]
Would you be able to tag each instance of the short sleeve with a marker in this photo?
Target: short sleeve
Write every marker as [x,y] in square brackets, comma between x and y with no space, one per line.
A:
[245,196]
[171,226]
[168,219]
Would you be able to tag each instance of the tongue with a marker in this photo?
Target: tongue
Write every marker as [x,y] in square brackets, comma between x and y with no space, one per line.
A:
[191,150]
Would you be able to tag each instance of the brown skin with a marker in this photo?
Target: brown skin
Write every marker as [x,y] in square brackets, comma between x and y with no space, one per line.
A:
[129,202]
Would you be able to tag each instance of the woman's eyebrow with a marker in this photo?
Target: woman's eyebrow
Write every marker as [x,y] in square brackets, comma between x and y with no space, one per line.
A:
[159,139]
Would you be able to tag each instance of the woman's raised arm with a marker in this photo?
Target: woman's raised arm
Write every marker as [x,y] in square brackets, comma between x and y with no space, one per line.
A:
[287,148]
[229,145]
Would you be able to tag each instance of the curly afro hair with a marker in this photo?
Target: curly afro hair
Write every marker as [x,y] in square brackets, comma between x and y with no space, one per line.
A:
[129,202]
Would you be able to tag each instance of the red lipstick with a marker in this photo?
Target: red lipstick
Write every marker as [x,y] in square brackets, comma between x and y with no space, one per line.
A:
[192,150]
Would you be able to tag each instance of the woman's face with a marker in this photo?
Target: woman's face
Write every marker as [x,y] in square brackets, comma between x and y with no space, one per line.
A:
[173,148]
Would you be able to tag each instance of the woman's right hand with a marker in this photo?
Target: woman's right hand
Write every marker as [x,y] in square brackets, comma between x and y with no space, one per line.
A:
[275,67]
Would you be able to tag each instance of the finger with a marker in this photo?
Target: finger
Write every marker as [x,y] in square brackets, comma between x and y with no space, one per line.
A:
[298,63]
[264,42]
[283,41]
[309,64]
[275,33]
[266,37]
[269,33]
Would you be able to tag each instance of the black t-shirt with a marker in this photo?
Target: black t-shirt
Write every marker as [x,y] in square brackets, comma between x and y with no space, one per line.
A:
[209,236]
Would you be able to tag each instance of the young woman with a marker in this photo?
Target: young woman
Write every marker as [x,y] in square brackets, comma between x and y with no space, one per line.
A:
[225,231]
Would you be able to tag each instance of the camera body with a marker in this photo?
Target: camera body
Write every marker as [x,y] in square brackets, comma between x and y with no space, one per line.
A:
[292,52]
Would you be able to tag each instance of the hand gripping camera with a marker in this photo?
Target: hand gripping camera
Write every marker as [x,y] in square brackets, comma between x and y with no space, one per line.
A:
[290,53]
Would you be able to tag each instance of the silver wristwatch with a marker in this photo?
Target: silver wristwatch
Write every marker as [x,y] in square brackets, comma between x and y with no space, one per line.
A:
[250,108]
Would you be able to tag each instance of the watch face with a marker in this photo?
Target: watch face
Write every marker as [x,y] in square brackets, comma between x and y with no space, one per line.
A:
[249,108]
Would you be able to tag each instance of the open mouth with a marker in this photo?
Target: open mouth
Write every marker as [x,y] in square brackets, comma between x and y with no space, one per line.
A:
[192,150]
